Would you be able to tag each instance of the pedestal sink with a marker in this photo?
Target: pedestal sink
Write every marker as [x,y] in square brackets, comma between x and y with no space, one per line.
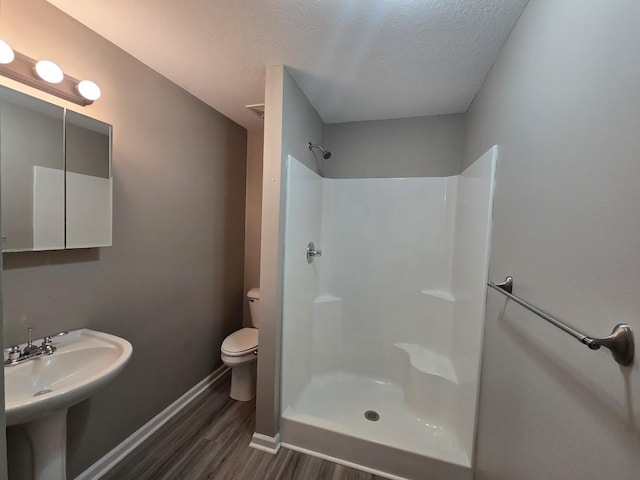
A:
[38,392]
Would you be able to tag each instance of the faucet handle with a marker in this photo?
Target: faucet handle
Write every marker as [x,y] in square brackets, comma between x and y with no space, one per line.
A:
[47,345]
[14,352]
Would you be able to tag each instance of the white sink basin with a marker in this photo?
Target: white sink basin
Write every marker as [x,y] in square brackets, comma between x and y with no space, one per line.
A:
[84,361]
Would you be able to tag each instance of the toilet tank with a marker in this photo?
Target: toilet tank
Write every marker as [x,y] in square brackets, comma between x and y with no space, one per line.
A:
[254,306]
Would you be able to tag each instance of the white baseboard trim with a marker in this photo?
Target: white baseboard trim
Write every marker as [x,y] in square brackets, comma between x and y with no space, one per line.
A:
[339,461]
[106,463]
[266,443]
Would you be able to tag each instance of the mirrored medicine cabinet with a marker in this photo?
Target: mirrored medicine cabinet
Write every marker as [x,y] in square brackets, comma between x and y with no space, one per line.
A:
[56,176]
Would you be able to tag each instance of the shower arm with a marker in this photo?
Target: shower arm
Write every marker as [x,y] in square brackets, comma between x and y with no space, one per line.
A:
[326,154]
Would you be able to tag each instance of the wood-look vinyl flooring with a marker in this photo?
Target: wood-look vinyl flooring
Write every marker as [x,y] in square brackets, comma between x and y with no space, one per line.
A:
[210,439]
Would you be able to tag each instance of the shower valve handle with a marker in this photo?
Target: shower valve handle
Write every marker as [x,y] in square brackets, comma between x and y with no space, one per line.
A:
[312,252]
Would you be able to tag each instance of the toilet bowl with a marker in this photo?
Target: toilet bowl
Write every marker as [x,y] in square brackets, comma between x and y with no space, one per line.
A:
[239,351]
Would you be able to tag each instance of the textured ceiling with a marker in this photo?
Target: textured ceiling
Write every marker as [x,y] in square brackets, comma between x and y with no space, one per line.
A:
[354,59]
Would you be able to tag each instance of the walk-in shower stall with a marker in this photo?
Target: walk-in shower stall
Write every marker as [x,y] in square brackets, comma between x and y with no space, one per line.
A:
[383,318]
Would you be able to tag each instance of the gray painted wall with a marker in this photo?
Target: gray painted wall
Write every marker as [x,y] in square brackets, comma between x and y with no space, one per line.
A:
[253,219]
[3,439]
[301,124]
[172,283]
[563,102]
[405,147]
[290,123]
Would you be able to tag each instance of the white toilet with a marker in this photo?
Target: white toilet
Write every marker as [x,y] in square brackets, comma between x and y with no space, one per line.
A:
[240,352]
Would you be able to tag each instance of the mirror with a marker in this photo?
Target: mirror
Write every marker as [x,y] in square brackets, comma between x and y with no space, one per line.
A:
[46,206]
[32,161]
[88,182]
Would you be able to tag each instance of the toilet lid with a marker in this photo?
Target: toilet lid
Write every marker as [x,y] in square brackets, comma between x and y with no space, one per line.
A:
[241,342]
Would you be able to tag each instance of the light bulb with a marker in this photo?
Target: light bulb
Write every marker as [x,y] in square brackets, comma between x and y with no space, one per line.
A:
[49,71]
[89,90]
[6,53]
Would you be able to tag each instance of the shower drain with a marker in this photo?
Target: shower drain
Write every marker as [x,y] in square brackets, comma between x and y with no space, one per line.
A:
[371,416]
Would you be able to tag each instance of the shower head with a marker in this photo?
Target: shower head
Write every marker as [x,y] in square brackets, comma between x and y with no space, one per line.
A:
[326,154]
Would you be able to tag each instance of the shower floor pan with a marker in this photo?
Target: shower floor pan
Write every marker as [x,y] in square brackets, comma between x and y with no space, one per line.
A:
[329,419]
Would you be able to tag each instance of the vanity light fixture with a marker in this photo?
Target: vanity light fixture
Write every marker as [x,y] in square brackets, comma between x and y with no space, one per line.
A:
[6,53]
[46,76]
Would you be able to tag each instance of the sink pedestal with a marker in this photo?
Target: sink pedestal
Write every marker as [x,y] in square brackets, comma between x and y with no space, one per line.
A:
[48,437]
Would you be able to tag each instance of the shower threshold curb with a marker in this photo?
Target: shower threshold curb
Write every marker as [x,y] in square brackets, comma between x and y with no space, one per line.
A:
[340,461]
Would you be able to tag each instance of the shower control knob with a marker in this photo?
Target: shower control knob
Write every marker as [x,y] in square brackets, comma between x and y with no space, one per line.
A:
[312,252]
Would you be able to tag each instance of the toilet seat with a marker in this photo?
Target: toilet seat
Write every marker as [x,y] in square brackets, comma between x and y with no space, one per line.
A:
[240,343]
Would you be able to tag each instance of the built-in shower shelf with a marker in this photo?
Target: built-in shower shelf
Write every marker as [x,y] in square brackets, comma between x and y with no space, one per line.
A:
[442,294]
[429,362]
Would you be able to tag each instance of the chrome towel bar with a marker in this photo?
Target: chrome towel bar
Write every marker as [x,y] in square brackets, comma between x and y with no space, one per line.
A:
[620,342]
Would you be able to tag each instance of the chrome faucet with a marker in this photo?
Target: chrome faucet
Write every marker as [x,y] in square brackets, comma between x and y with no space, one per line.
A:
[30,351]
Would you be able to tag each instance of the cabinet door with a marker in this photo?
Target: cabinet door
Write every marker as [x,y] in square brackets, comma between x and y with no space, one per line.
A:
[88,182]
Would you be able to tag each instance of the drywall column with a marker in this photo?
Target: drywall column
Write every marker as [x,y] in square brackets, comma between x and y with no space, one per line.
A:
[563,102]
[268,383]
[290,123]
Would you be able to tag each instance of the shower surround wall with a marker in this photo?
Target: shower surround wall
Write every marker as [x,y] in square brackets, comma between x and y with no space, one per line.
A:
[388,319]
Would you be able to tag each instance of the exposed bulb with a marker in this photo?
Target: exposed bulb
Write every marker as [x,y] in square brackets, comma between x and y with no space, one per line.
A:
[89,90]
[6,53]
[49,71]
